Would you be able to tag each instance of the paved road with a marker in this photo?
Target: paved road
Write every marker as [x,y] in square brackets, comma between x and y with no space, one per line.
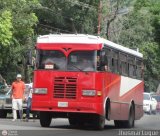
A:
[60,127]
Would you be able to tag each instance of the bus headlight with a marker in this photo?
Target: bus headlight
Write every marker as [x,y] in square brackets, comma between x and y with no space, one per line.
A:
[40,91]
[88,92]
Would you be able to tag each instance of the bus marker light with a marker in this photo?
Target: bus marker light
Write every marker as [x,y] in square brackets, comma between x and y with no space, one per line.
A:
[99,93]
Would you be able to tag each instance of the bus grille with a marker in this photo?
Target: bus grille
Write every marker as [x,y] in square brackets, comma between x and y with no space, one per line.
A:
[65,87]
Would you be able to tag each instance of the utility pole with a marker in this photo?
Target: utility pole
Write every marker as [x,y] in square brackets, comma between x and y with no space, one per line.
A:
[99,17]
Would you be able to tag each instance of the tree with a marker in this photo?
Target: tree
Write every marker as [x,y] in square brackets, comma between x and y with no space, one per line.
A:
[140,30]
[17,21]
[114,9]
[5,27]
[67,16]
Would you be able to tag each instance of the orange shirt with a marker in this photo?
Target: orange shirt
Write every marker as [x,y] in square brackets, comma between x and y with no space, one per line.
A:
[18,89]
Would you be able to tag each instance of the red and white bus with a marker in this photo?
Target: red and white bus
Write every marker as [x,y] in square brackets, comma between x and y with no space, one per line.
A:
[87,79]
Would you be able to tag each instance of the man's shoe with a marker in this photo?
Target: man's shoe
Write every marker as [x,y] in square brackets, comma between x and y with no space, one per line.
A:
[26,120]
[13,119]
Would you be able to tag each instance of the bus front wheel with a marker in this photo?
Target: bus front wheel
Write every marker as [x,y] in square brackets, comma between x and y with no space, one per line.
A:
[99,122]
[3,114]
[72,121]
[45,119]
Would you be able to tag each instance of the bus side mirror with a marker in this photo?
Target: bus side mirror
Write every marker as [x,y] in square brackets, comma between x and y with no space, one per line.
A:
[29,58]
[103,53]
[103,57]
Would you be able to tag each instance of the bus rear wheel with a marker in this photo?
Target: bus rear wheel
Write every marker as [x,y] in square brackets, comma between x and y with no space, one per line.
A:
[126,123]
[118,123]
[130,122]
[45,119]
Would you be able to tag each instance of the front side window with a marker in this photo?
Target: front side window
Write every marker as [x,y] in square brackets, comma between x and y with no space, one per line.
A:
[146,97]
[51,59]
[82,61]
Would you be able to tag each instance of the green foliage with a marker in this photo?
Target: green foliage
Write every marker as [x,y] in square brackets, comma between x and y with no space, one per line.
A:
[151,61]
[140,4]
[17,22]
[141,30]
[67,16]
[5,27]
[134,33]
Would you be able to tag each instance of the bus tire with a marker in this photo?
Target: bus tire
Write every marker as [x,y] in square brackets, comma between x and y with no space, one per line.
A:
[130,122]
[107,110]
[3,114]
[99,122]
[118,123]
[126,123]
[72,121]
[45,119]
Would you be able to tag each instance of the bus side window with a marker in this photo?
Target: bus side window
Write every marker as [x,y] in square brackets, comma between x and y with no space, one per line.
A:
[107,64]
[114,61]
[140,68]
[132,66]
[103,64]
[107,60]
[123,64]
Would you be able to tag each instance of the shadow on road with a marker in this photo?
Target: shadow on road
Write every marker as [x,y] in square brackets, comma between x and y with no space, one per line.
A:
[84,127]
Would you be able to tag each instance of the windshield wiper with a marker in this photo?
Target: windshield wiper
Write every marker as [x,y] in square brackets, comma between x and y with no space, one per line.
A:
[77,67]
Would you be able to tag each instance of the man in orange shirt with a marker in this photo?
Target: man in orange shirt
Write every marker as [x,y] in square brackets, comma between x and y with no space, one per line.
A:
[17,96]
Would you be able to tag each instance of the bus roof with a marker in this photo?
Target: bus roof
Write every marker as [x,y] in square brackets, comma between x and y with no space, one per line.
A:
[84,39]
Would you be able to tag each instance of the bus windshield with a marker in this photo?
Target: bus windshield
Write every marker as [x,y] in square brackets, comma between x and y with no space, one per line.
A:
[51,59]
[76,61]
[82,61]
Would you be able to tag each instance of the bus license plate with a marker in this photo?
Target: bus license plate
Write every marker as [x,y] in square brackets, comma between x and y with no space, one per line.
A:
[62,104]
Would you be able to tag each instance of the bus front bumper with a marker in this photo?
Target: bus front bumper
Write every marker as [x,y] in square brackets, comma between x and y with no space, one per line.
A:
[62,106]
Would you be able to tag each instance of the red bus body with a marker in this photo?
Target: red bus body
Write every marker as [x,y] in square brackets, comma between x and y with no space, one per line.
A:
[114,92]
